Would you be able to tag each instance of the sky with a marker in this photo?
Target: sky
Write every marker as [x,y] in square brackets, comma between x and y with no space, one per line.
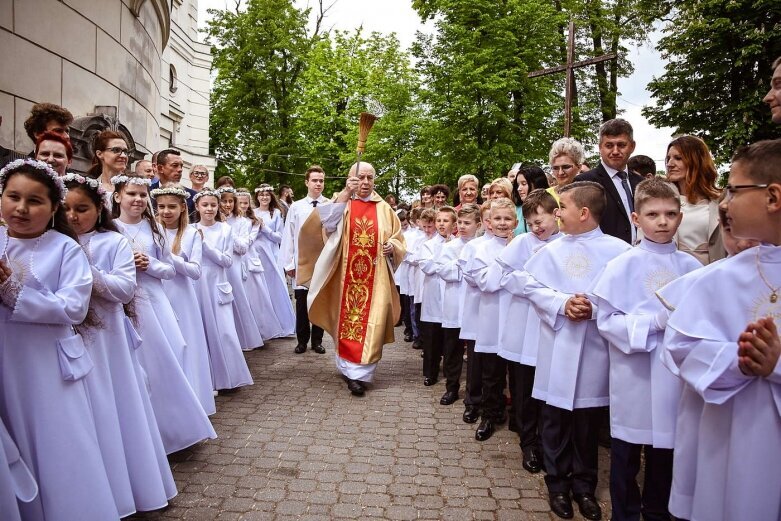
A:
[397,16]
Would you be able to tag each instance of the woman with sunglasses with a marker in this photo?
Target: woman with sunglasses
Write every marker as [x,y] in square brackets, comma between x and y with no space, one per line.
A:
[110,157]
[566,155]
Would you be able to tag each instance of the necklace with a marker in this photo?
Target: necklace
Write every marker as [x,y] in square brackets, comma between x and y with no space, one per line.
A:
[773,291]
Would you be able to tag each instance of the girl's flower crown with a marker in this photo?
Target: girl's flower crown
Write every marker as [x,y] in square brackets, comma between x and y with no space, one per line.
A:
[242,191]
[170,190]
[264,189]
[206,192]
[132,180]
[38,165]
[225,189]
[94,184]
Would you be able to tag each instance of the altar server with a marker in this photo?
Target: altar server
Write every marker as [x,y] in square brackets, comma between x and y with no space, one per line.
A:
[404,277]
[246,324]
[468,222]
[492,305]
[428,227]
[433,293]
[127,429]
[186,251]
[644,395]
[469,319]
[45,285]
[229,368]
[267,233]
[519,337]
[182,420]
[729,355]
[572,370]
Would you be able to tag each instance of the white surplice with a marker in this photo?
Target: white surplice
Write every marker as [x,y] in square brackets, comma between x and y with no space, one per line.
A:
[297,215]
[455,287]
[737,475]
[433,289]
[493,303]
[644,394]
[519,338]
[572,370]
[470,314]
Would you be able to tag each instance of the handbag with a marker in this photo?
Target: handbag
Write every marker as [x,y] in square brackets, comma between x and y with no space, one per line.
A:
[75,361]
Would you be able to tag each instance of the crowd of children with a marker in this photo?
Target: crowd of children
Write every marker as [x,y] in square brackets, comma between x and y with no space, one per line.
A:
[685,356]
[147,316]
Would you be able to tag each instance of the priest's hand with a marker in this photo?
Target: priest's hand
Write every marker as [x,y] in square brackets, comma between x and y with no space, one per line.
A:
[350,187]
[291,273]
[387,249]
[759,348]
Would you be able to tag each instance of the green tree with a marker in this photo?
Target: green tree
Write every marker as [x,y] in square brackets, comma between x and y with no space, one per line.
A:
[259,55]
[481,111]
[344,69]
[718,58]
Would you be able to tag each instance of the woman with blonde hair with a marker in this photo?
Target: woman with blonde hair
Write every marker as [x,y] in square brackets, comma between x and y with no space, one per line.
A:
[691,169]
[468,191]
[566,157]
[500,188]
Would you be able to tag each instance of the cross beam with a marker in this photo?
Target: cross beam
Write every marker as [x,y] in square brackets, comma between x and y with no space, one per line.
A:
[570,67]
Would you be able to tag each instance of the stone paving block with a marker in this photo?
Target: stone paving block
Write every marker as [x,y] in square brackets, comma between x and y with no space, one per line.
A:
[296,445]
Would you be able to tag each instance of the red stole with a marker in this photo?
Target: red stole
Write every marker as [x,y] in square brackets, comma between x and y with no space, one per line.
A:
[359,279]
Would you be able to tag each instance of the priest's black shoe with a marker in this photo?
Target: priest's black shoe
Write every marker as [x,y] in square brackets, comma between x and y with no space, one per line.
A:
[471,414]
[300,348]
[561,505]
[429,381]
[408,337]
[319,349]
[485,430]
[355,387]
[448,398]
[588,506]
[532,461]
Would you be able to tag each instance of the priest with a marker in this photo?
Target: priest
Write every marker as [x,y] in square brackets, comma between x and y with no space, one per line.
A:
[348,252]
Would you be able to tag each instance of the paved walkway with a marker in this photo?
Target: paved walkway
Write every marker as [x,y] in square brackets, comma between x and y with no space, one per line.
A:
[298,446]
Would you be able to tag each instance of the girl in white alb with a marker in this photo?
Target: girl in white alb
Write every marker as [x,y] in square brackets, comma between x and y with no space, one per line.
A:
[128,435]
[181,419]
[246,324]
[186,246]
[45,285]
[266,248]
[229,369]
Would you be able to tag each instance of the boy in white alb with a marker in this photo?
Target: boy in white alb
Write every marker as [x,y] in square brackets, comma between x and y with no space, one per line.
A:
[428,229]
[433,293]
[572,371]
[455,288]
[519,337]
[644,395]
[723,341]
[494,369]
[469,320]
[402,275]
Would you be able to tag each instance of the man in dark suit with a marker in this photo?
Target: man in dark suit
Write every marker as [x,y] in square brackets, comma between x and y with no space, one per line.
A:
[169,170]
[616,145]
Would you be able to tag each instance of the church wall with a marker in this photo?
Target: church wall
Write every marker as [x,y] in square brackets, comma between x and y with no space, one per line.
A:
[86,53]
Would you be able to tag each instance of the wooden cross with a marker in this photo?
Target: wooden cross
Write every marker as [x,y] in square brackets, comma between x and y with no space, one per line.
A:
[570,67]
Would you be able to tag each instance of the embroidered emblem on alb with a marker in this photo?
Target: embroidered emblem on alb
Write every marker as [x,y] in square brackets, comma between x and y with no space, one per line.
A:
[577,265]
[762,307]
[657,278]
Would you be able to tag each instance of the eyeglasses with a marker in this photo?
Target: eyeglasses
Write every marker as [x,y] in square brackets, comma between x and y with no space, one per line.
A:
[733,189]
[563,168]
[199,174]
[118,150]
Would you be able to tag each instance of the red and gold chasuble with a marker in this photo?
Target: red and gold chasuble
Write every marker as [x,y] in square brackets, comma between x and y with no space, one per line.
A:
[362,254]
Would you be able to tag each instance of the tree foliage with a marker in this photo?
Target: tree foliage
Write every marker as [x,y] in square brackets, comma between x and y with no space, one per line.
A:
[718,57]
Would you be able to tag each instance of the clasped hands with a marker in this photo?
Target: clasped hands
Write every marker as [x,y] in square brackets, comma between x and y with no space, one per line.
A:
[141,260]
[759,348]
[578,308]
[5,272]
